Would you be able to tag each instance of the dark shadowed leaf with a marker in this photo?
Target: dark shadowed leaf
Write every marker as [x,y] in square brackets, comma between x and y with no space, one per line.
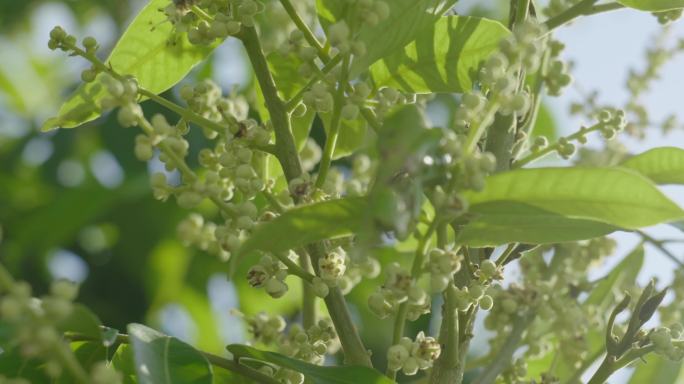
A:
[306,224]
[161,359]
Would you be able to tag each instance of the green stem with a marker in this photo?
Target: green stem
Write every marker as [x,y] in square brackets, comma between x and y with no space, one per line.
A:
[354,350]
[659,244]
[478,129]
[286,150]
[416,269]
[184,169]
[308,294]
[575,378]
[334,130]
[293,268]
[554,147]
[445,369]
[583,8]
[301,25]
[522,11]
[604,371]
[294,101]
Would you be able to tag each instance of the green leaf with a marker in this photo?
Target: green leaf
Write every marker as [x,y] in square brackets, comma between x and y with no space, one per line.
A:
[307,224]
[352,136]
[656,369]
[548,205]
[653,5]
[316,373]
[14,365]
[149,50]
[82,320]
[406,19]
[619,278]
[88,353]
[545,124]
[285,72]
[123,361]
[501,222]
[443,58]
[662,165]
[161,359]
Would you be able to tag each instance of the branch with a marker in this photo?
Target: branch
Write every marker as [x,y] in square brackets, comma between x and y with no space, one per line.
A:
[354,350]
[659,244]
[286,150]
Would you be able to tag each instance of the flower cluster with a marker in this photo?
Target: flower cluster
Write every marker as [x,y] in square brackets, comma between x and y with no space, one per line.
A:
[410,356]
[399,287]
[310,345]
[33,325]
[269,274]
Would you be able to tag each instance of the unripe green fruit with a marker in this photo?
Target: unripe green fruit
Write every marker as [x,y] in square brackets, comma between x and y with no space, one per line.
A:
[89,43]
[438,283]
[275,288]
[350,112]
[300,110]
[488,268]
[129,114]
[472,101]
[88,75]
[58,33]
[189,199]
[486,302]
[410,366]
[338,33]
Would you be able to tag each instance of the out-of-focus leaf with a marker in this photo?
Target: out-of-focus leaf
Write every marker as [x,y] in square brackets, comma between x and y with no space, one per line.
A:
[124,362]
[657,369]
[13,365]
[168,268]
[83,321]
[161,359]
[545,124]
[662,165]
[149,50]
[443,58]
[316,373]
[306,224]
[47,228]
[353,134]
